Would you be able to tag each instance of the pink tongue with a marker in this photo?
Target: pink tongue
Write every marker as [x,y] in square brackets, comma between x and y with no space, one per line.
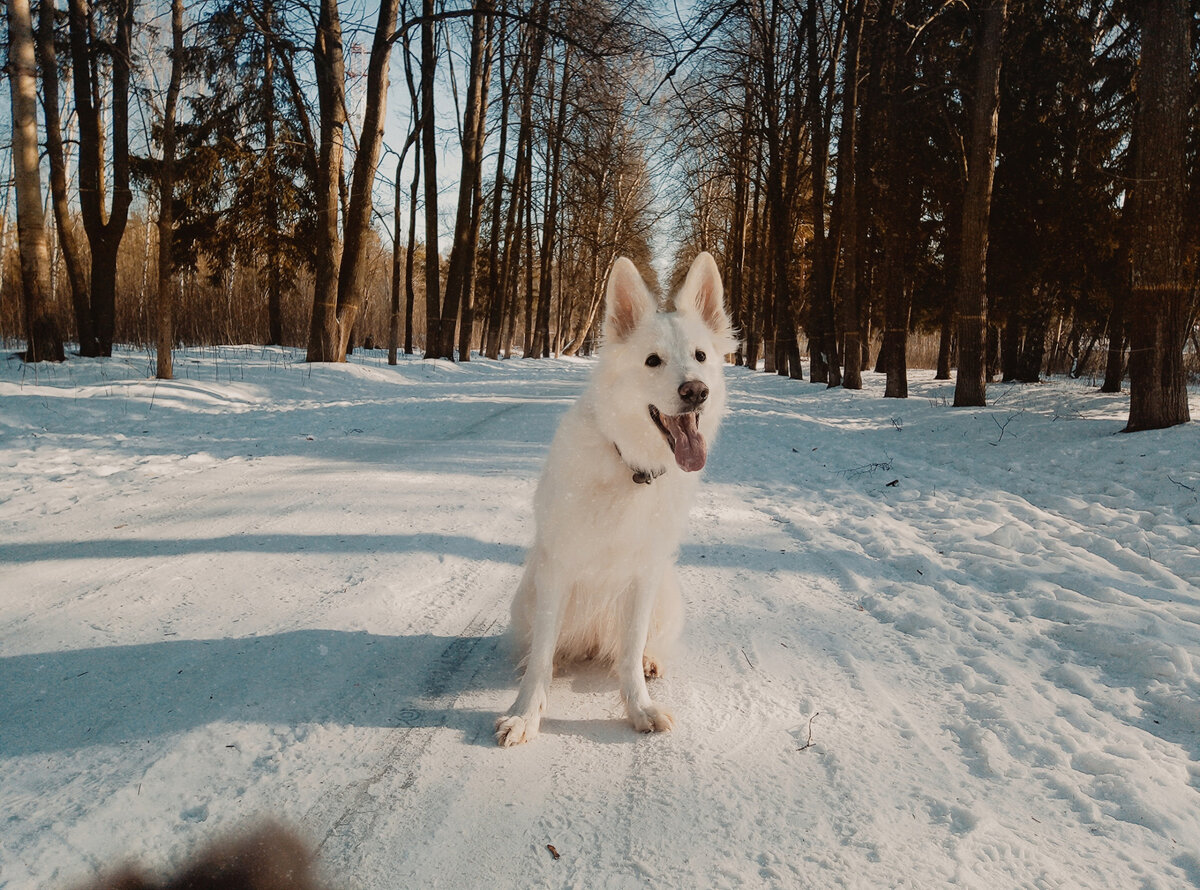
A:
[690,450]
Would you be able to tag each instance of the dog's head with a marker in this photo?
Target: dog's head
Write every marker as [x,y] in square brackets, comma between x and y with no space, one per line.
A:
[662,367]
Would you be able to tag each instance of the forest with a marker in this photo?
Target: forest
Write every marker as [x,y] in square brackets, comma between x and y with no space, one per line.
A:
[1013,181]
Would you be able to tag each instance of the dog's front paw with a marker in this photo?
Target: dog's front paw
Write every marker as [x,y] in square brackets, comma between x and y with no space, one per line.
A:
[652,718]
[514,729]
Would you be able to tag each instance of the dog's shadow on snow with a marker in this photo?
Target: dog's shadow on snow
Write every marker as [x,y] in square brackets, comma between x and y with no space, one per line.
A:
[116,695]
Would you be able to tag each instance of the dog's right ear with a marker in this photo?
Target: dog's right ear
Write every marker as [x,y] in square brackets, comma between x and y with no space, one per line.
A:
[627,301]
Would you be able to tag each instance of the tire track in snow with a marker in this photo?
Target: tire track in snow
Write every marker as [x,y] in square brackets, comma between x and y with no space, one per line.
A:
[349,819]
[348,823]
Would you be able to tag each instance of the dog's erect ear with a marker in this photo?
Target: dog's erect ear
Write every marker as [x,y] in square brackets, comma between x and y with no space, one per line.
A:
[627,301]
[703,294]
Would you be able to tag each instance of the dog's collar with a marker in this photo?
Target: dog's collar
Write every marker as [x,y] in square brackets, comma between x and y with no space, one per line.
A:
[640,476]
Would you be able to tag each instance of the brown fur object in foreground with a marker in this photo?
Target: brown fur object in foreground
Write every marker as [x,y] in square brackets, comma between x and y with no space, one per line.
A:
[269,858]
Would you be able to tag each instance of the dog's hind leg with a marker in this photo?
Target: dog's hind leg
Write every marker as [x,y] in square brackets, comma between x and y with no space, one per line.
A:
[645,714]
[548,600]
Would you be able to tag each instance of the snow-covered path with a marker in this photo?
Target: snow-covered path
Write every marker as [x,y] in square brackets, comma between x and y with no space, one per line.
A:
[926,647]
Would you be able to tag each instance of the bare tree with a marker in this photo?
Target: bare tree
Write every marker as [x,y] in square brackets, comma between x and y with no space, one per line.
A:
[95,46]
[73,258]
[462,251]
[466,335]
[550,221]
[769,20]
[43,341]
[338,297]
[326,339]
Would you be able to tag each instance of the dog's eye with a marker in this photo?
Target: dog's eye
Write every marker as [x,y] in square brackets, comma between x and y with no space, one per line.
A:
[652,360]
[700,356]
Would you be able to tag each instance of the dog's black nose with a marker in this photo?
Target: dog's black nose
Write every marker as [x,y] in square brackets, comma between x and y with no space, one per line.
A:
[693,392]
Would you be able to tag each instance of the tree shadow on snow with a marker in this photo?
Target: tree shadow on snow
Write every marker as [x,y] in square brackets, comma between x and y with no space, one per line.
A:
[136,548]
[115,695]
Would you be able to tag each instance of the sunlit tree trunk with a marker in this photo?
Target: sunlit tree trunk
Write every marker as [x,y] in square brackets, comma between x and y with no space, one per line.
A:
[541,339]
[462,251]
[338,297]
[43,341]
[73,258]
[495,314]
[466,328]
[324,336]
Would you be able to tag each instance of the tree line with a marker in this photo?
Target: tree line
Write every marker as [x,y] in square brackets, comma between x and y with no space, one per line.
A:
[1017,176]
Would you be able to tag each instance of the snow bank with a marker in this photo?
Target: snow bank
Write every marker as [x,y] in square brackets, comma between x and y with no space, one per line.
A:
[926,646]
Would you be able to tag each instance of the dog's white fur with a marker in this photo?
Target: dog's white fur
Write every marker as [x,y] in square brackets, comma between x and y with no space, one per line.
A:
[599,579]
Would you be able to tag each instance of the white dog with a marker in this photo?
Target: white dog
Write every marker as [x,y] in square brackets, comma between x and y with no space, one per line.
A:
[614,496]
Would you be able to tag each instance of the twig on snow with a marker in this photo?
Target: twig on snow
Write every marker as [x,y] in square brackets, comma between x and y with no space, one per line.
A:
[863,470]
[1004,426]
[809,743]
[1190,488]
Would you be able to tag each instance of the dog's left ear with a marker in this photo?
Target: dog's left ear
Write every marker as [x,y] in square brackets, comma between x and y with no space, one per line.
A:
[627,302]
[703,294]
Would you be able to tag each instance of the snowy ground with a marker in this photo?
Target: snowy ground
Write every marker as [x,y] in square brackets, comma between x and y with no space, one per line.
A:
[926,646]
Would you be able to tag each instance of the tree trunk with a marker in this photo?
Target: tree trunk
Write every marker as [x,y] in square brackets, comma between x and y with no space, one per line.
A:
[785,348]
[755,319]
[324,337]
[495,314]
[43,341]
[410,296]
[1158,315]
[271,215]
[891,187]
[336,332]
[514,223]
[433,266]
[104,230]
[72,256]
[735,258]
[970,385]
[527,342]
[164,326]
[397,267]
[466,327]
[1114,366]
[541,340]
[848,202]
[394,315]
[462,251]
[945,343]
[824,311]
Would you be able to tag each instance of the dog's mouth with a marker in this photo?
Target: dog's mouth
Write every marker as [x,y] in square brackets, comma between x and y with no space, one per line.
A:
[682,432]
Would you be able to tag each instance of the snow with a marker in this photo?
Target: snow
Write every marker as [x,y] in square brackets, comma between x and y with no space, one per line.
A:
[925,647]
